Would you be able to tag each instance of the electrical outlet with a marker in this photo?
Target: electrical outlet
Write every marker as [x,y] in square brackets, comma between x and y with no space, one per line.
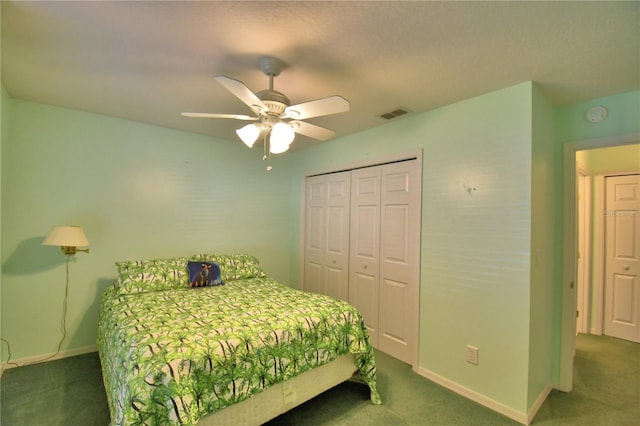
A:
[472,355]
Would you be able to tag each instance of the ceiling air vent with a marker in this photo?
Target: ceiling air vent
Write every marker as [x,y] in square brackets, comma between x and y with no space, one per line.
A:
[395,113]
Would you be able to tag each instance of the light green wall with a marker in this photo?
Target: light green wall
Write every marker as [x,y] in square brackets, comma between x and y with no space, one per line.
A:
[545,264]
[475,263]
[138,191]
[623,118]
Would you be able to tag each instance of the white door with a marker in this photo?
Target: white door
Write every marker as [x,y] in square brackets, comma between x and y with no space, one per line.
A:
[622,252]
[336,277]
[400,197]
[327,235]
[365,246]
[314,238]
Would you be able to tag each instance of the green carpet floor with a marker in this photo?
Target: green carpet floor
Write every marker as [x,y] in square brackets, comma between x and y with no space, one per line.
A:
[69,392]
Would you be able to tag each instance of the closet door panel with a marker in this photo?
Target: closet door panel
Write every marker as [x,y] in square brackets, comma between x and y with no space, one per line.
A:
[366,224]
[337,230]
[395,240]
[336,255]
[327,235]
[394,293]
[315,219]
[363,289]
[399,259]
[336,283]
[313,277]
[364,283]
[314,234]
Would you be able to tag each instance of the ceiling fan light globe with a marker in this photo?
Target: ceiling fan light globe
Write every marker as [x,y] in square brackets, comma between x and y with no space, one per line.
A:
[282,133]
[276,147]
[249,134]
[281,137]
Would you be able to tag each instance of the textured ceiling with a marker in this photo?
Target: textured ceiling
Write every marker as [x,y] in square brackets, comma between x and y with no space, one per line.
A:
[148,61]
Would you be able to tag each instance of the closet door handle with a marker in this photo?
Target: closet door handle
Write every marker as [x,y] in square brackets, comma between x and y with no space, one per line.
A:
[626,267]
[365,266]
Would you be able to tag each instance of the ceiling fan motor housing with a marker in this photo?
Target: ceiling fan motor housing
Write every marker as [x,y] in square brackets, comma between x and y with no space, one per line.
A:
[271,66]
[274,100]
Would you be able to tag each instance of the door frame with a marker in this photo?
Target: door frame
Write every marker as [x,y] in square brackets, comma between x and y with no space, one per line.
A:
[584,286]
[569,246]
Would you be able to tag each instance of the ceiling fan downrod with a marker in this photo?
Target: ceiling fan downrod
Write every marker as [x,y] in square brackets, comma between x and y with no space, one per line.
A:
[276,101]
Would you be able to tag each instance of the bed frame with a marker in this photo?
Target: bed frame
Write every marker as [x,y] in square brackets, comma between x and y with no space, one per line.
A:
[282,397]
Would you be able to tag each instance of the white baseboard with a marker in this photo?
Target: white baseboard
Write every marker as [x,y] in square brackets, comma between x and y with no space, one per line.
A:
[21,362]
[496,406]
[538,403]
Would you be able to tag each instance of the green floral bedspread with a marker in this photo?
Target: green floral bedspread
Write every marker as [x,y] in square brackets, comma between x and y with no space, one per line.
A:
[171,357]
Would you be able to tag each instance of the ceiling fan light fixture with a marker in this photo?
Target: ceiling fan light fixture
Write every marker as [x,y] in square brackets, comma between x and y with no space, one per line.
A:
[283,132]
[276,147]
[281,137]
[274,116]
[249,134]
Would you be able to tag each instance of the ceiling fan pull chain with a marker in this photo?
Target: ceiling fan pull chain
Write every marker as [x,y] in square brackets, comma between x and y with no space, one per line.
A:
[266,155]
[264,149]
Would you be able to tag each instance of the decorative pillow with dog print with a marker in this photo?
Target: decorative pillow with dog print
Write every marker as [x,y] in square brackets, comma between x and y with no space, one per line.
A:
[204,274]
[234,266]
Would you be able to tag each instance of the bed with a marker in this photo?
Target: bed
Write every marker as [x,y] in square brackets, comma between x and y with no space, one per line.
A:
[242,351]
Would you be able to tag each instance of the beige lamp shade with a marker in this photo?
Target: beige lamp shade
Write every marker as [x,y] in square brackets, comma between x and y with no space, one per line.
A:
[67,237]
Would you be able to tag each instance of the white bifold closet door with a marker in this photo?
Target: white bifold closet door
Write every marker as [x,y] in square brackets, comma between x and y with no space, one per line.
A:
[384,260]
[364,271]
[327,235]
[362,244]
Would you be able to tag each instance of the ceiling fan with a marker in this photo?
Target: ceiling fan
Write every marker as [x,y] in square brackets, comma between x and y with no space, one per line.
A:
[274,114]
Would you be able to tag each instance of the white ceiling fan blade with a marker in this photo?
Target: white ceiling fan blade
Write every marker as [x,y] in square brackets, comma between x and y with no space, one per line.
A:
[212,115]
[317,108]
[242,92]
[312,130]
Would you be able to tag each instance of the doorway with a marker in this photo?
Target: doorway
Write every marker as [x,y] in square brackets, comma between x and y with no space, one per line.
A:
[608,301]
[570,250]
